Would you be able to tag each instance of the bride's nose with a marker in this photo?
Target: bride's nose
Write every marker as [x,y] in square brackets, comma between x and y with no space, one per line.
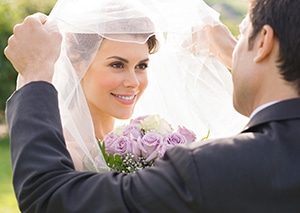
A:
[131,79]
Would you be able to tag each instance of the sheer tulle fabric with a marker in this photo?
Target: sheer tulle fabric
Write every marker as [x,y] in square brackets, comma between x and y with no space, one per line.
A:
[187,85]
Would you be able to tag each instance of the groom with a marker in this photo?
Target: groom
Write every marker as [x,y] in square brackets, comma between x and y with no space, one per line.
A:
[254,171]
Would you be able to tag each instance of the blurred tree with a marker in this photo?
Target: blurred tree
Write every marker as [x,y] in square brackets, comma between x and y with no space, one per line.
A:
[11,13]
[231,12]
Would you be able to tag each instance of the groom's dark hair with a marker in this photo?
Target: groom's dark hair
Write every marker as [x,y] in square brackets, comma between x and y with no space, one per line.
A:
[284,17]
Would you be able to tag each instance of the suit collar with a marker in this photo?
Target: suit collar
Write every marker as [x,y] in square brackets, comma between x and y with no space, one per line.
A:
[283,110]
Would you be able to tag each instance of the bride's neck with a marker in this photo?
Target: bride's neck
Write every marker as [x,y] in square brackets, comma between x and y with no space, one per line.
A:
[103,126]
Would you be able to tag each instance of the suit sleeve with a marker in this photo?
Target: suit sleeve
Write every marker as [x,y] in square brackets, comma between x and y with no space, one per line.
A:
[45,180]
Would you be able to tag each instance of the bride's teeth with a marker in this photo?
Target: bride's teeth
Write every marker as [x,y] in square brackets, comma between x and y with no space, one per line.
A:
[127,98]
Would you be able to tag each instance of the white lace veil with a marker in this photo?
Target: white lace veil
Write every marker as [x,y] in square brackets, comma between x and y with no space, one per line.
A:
[187,85]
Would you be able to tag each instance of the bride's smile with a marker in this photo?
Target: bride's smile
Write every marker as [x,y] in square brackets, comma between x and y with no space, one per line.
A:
[125,99]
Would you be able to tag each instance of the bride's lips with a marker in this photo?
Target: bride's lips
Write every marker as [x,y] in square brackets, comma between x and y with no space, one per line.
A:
[125,99]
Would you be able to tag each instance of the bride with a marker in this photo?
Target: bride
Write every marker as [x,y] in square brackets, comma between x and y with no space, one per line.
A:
[188,85]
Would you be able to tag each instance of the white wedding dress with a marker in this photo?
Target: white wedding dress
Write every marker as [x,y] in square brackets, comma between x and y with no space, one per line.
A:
[187,85]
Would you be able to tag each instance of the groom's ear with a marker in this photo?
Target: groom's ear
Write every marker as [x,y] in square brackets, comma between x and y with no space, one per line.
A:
[265,43]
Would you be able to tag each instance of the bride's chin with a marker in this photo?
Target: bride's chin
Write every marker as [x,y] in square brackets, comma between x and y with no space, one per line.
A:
[124,116]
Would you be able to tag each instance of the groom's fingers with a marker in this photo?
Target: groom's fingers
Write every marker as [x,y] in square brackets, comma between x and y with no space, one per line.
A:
[41,17]
[33,48]
[18,30]
[222,42]
[38,19]
[8,49]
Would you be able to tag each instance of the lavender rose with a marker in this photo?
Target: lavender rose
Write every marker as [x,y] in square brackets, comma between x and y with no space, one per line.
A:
[151,145]
[132,131]
[121,145]
[138,120]
[188,134]
[109,141]
[174,139]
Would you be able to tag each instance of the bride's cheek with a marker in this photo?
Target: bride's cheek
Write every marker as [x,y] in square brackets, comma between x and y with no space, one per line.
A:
[144,81]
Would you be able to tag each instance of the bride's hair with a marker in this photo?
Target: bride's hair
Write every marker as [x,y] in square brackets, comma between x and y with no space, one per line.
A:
[81,45]
[153,44]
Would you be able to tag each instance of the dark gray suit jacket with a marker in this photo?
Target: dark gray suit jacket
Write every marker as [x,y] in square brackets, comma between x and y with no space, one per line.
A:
[255,171]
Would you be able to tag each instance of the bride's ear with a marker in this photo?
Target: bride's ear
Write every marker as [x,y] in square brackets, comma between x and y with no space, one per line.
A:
[265,43]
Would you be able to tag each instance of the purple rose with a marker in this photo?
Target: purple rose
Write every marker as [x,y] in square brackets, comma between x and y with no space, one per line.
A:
[188,134]
[151,145]
[132,131]
[117,145]
[174,139]
[123,145]
[138,120]
[109,141]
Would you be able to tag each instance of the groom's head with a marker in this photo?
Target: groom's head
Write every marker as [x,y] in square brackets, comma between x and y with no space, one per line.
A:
[266,60]
[284,17]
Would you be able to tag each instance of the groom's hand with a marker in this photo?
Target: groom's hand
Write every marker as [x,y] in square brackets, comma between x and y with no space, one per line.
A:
[222,43]
[218,40]
[33,49]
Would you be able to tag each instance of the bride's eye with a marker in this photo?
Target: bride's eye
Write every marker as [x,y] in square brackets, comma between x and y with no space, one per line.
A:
[142,66]
[117,65]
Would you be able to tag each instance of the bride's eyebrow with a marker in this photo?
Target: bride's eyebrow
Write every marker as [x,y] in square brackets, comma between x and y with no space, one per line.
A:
[118,58]
[125,60]
[145,60]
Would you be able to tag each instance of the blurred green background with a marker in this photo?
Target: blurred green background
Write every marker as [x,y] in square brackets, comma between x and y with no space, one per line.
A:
[13,12]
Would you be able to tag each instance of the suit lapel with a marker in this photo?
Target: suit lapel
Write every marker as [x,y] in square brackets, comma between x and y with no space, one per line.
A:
[283,110]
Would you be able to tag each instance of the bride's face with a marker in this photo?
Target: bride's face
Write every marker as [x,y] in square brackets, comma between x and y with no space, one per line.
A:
[116,79]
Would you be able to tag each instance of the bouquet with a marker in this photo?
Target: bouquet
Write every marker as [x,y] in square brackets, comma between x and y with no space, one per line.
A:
[129,148]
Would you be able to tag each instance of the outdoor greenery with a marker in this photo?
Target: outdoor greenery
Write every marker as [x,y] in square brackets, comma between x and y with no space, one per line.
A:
[231,12]
[13,12]
[8,203]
